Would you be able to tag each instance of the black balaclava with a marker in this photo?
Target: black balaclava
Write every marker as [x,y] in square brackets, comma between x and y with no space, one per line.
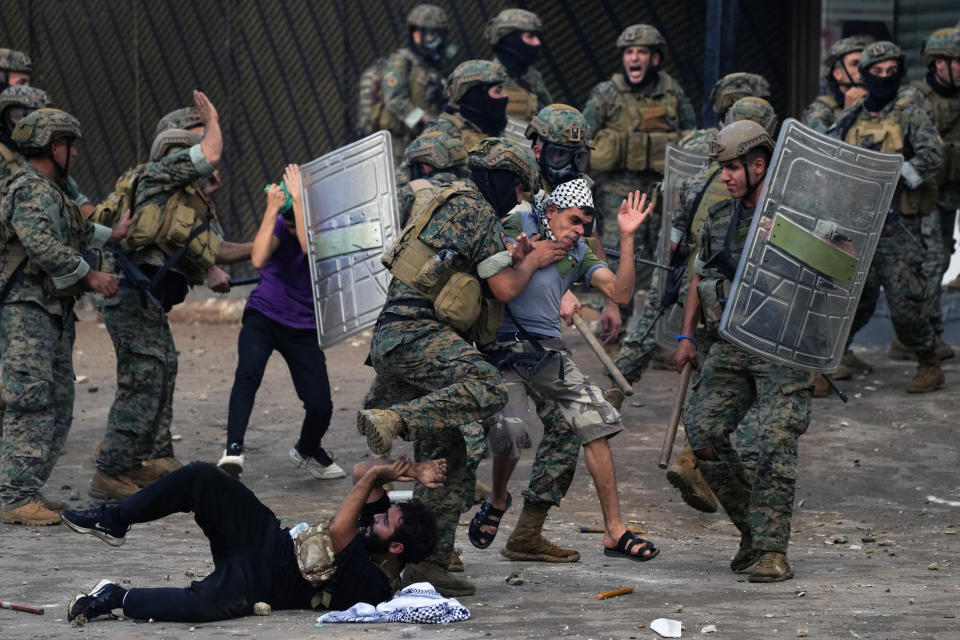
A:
[938,87]
[499,188]
[880,91]
[514,54]
[489,114]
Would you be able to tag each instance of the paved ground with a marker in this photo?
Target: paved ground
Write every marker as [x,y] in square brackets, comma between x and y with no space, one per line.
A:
[867,470]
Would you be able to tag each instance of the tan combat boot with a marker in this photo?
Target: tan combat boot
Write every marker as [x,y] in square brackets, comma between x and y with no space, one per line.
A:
[32,514]
[107,487]
[851,361]
[684,475]
[772,567]
[480,492]
[380,427]
[456,564]
[149,471]
[929,375]
[527,543]
[446,585]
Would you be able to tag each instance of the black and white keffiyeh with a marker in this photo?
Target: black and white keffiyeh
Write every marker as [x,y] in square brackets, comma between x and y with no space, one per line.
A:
[574,193]
[419,603]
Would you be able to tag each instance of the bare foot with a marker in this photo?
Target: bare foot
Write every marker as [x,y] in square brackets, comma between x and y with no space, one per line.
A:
[431,474]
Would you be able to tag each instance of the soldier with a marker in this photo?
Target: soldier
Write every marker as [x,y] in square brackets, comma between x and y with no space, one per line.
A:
[421,347]
[47,254]
[433,158]
[892,121]
[172,192]
[413,76]
[476,103]
[16,102]
[515,35]
[15,68]
[841,74]
[732,380]
[632,117]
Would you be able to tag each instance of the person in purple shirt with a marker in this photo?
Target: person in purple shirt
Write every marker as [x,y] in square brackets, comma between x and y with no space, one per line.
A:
[279,317]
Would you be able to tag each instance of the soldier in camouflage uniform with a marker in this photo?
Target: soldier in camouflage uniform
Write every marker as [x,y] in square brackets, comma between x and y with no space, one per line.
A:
[48,248]
[476,103]
[137,447]
[430,362]
[841,74]
[16,102]
[15,68]
[413,75]
[515,35]
[891,120]
[731,380]
[434,158]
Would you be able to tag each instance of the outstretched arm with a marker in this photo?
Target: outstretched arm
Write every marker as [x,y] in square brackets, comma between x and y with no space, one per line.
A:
[619,287]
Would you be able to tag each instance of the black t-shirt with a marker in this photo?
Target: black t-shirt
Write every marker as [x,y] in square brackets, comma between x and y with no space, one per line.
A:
[357,579]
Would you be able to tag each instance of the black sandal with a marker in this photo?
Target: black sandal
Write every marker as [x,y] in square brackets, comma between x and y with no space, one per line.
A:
[626,544]
[483,518]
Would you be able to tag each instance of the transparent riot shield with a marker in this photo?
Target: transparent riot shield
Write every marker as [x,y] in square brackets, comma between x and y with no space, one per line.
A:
[680,166]
[350,206]
[813,235]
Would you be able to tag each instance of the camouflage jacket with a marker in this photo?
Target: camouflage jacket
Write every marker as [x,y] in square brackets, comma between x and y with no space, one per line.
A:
[406,194]
[455,125]
[605,104]
[528,94]
[12,161]
[945,113]
[715,286]
[407,82]
[39,220]
[822,113]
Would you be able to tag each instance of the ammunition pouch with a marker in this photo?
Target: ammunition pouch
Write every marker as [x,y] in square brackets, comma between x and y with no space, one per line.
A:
[315,557]
[633,150]
[521,103]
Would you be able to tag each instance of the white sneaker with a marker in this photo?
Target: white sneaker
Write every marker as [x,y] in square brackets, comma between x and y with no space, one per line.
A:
[319,471]
[231,464]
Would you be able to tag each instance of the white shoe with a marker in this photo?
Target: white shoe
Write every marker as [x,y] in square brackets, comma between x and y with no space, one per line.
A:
[319,471]
[231,464]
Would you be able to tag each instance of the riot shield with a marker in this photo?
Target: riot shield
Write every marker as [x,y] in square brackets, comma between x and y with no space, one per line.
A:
[350,206]
[680,166]
[809,248]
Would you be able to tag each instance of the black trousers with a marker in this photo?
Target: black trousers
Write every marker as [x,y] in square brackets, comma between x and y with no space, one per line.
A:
[259,337]
[252,554]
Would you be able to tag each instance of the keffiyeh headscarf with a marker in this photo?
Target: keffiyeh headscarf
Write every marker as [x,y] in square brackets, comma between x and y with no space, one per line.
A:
[574,193]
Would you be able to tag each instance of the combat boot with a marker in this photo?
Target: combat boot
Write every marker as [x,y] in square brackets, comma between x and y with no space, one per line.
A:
[852,362]
[899,351]
[32,514]
[456,564]
[684,475]
[446,585]
[772,567]
[380,427]
[929,375]
[106,487]
[821,388]
[527,543]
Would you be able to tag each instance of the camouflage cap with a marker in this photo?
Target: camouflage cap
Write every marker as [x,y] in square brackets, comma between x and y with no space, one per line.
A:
[838,50]
[510,20]
[471,73]
[20,95]
[503,153]
[942,43]
[172,140]
[185,118]
[427,15]
[43,126]
[756,109]
[734,86]
[560,124]
[641,35]
[437,149]
[879,52]
[738,138]
[13,60]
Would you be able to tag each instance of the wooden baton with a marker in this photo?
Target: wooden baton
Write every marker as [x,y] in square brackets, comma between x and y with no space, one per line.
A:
[667,447]
[21,607]
[597,348]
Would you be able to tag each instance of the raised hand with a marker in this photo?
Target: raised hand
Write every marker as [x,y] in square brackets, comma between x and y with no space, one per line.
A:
[291,178]
[633,212]
[208,113]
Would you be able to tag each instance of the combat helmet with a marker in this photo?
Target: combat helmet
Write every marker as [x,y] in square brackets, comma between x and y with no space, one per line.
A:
[13,60]
[470,74]
[878,52]
[170,140]
[641,35]
[510,20]
[560,124]
[942,43]
[734,86]
[755,109]
[437,149]
[505,154]
[185,118]
[19,95]
[427,16]
[43,126]
[838,50]
[738,138]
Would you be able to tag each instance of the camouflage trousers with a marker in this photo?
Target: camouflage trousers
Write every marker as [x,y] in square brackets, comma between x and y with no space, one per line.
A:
[138,426]
[444,383]
[609,192]
[38,390]
[903,269]
[732,381]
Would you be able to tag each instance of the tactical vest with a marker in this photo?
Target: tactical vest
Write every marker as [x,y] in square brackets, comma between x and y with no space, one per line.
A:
[10,161]
[120,200]
[186,216]
[468,134]
[946,117]
[637,139]
[886,135]
[457,296]
[713,192]
[522,104]
[419,79]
